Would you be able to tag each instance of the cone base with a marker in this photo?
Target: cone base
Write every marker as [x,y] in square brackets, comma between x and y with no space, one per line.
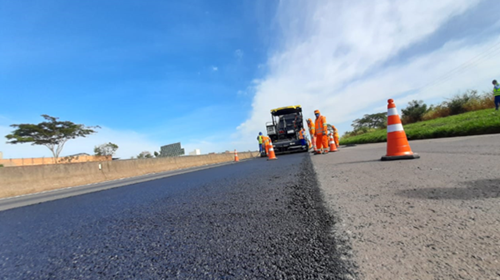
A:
[386,158]
[272,158]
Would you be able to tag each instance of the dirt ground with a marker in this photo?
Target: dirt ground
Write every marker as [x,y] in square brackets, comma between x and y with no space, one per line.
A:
[437,217]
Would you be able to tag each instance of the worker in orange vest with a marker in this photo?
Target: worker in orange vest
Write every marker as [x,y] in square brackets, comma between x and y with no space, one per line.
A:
[310,124]
[321,131]
[266,142]
[335,136]
[302,136]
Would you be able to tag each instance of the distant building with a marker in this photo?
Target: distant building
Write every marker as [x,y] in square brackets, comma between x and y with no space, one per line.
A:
[171,150]
[196,152]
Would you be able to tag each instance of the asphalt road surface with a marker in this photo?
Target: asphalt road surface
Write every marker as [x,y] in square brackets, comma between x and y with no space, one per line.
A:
[35,198]
[256,219]
[437,217]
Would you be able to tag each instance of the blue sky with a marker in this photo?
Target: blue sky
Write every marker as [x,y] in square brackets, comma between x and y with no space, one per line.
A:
[206,73]
[152,62]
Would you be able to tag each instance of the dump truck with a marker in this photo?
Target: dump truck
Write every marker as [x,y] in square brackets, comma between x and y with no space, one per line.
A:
[284,129]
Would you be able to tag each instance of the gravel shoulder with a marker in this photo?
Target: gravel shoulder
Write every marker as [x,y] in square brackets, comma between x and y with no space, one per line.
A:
[437,217]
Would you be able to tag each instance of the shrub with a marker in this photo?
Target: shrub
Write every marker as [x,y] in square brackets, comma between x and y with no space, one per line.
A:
[434,112]
[1,165]
[418,111]
[457,103]
[484,101]
[414,112]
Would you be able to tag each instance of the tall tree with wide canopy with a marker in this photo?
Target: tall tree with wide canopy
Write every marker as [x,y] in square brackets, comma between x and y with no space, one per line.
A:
[51,133]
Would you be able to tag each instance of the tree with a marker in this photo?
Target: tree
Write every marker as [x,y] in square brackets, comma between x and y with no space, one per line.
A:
[52,133]
[144,154]
[156,154]
[414,111]
[378,120]
[105,149]
[366,123]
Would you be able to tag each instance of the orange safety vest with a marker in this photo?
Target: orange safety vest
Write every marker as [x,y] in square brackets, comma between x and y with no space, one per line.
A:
[301,134]
[311,127]
[321,126]
[336,134]
[266,140]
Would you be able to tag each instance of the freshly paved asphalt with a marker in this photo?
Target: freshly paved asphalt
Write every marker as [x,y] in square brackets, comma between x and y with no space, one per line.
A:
[35,198]
[256,219]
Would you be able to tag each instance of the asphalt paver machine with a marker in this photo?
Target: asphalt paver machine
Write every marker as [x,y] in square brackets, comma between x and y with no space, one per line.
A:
[284,129]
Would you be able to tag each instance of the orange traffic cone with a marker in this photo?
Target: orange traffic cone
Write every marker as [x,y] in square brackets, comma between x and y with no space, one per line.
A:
[397,143]
[236,158]
[333,146]
[270,154]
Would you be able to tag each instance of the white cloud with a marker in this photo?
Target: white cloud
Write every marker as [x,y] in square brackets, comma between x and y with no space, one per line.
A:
[332,58]
[220,143]
[214,68]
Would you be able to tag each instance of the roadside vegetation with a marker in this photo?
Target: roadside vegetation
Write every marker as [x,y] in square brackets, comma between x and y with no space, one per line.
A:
[144,154]
[51,133]
[107,149]
[461,115]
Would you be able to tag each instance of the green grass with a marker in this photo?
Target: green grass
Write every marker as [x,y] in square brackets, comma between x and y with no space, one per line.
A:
[471,123]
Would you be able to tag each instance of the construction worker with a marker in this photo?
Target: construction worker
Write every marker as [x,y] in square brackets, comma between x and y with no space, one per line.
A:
[335,136]
[259,138]
[496,93]
[310,124]
[302,136]
[321,131]
[266,141]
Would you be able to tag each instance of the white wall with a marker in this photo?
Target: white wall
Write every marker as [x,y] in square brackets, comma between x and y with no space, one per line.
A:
[196,152]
